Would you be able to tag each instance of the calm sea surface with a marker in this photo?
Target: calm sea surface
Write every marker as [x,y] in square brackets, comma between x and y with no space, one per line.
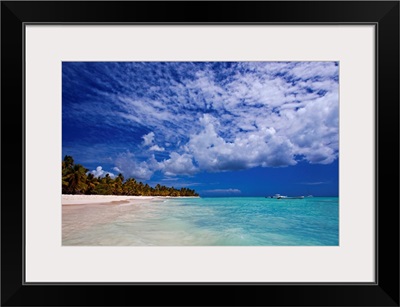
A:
[233,221]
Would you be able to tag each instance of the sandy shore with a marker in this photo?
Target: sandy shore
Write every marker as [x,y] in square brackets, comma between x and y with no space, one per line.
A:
[104,199]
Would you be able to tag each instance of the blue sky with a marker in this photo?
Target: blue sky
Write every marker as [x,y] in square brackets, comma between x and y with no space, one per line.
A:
[221,128]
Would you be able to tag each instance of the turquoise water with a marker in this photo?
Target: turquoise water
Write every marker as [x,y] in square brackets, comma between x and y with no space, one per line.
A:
[235,221]
[262,221]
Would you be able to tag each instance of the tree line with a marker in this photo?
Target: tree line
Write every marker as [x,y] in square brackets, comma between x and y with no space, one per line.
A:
[76,179]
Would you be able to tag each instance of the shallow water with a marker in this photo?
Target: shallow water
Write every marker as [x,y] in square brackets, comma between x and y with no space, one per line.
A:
[235,221]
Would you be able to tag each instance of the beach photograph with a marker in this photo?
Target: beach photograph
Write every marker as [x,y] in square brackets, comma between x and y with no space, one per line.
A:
[241,153]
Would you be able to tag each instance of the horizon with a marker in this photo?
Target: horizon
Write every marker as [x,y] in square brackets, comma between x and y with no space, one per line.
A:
[224,129]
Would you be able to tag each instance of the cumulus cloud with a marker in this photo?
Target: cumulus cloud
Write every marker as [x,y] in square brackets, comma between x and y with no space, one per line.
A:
[131,166]
[249,149]
[99,172]
[178,165]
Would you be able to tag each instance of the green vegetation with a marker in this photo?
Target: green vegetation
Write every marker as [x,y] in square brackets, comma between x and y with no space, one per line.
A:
[77,180]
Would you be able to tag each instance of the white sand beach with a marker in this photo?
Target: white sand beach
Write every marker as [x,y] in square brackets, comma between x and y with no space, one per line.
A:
[99,220]
[68,199]
[84,215]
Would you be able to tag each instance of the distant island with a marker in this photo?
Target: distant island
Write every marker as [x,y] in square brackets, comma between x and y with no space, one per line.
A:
[76,179]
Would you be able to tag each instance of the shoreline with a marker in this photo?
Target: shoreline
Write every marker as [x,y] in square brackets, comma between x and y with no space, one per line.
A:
[70,199]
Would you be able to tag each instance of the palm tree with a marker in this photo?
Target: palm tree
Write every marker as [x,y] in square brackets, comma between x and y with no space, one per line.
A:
[68,162]
[130,187]
[91,182]
[118,185]
[75,179]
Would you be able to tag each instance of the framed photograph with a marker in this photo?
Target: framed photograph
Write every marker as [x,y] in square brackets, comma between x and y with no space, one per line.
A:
[241,147]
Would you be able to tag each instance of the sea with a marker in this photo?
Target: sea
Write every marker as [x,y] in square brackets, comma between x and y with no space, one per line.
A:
[213,221]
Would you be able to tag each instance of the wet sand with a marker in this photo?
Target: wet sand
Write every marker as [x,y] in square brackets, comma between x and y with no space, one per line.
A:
[80,213]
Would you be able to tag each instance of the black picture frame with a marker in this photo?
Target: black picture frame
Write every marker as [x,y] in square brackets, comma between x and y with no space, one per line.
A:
[383,14]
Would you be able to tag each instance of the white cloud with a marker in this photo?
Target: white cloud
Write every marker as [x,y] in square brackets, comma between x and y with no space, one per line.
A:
[132,167]
[156,148]
[306,70]
[256,148]
[179,165]
[99,172]
[148,139]
[252,94]
[258,114]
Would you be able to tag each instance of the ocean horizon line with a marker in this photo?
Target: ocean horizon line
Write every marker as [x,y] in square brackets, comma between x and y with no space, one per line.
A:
[200,196]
